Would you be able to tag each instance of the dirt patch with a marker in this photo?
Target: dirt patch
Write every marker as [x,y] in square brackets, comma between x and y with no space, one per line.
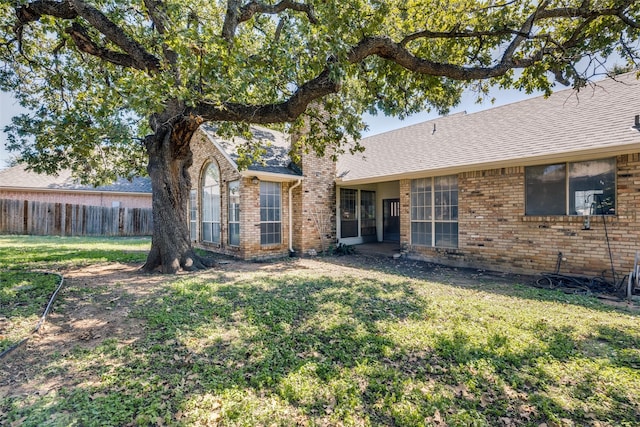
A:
[95,304]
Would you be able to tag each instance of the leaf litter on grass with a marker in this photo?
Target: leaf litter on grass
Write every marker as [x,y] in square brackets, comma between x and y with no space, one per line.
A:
[311,342]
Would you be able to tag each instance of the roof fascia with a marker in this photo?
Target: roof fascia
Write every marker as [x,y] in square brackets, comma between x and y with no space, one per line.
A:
[270,176]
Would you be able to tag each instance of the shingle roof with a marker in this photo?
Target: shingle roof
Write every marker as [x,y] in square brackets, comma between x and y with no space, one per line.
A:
[276,159]
[597,121]
[19,177]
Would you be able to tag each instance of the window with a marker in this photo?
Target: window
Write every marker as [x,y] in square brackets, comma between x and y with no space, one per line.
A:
[348,218]
[211,205]
[580,188]
[434,212]
[234,213]
[368,215]
[546,190]
[270,222]
[193,214]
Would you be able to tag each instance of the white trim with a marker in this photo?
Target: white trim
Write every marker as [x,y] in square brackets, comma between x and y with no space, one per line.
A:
[354,240]
[291,214]
[270,176]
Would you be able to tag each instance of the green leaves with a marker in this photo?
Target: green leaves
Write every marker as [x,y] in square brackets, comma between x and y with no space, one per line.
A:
[87,110]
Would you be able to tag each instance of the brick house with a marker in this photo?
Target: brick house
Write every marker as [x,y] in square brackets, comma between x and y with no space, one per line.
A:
[269,209]
[507,188]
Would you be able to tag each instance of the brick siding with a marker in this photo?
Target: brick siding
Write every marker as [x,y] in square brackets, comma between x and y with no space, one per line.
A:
[205,152]
[494,233]
[314,204]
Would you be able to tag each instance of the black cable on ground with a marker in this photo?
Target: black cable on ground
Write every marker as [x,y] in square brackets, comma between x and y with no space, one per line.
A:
[42,318]
[574,284]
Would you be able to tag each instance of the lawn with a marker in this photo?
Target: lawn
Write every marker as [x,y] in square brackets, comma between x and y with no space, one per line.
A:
[326,341]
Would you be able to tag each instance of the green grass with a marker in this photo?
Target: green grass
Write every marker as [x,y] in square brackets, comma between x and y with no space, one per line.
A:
[24,294]
[23,298]
[355,348]
[34,252]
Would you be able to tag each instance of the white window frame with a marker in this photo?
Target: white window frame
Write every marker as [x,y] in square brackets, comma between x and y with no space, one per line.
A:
[270,213]
[193,214]
[211,199]
[233,217]
[432,210]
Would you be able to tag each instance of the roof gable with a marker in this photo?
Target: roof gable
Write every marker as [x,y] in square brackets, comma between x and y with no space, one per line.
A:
[276,158]
[597,121]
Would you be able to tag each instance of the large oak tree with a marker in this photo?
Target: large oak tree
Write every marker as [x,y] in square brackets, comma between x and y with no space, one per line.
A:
[112,84]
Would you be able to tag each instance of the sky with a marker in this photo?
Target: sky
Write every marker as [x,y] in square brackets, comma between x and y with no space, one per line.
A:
[377,124]
[8,108]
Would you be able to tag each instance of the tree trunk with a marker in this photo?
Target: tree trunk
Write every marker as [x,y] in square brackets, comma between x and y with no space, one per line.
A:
[170,157]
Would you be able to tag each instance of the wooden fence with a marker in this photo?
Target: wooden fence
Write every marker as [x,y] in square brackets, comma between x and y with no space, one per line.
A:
[42,219]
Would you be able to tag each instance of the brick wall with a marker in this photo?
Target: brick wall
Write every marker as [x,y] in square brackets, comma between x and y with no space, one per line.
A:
[250,223]
[494,233]
[314,204]
[205,152]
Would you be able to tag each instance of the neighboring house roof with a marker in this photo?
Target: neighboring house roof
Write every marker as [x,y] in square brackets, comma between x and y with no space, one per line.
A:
[17,177]
[597,121]
[276,159]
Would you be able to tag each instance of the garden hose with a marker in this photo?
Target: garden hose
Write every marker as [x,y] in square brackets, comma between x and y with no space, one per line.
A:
[42,318]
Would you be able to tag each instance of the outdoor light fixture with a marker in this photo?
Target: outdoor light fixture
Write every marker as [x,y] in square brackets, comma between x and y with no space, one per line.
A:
[255,180]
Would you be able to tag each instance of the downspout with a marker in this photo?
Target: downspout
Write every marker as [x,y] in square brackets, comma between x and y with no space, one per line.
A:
[291,251]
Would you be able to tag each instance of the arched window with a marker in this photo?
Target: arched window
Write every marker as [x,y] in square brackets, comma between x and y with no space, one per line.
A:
[211,204]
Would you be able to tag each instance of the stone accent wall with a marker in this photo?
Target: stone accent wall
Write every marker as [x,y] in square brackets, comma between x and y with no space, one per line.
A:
[104,199]
[494,232]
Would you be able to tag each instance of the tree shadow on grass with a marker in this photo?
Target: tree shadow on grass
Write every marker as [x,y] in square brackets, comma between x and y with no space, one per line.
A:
[288,349]
[513,285]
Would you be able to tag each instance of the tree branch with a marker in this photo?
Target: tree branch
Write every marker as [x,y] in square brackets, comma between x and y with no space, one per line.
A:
[524,33]
[160,21]
[134,54]
[285,111]
[237,14]
[456,34]
[83,41]
[255,7]
[627,20]
[386,48]
[31,12]
[113,33]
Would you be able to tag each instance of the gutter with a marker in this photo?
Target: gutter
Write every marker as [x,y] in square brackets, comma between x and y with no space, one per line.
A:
[291,251]
[269,176]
